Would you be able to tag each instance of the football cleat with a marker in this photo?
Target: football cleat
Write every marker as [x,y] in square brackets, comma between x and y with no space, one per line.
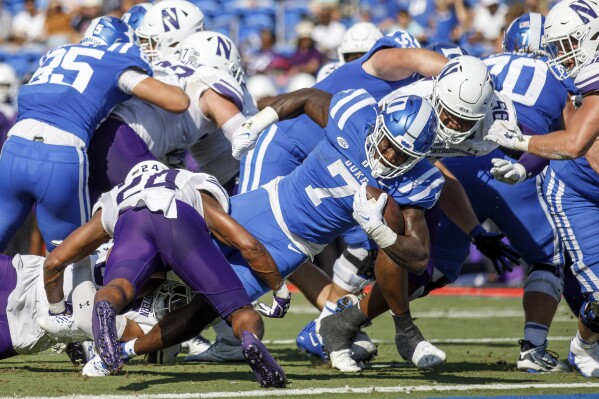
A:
[95,368]
[222,351]
[343,361]
[105,337]
[196,345]
[61,328]
[76,353]
[537,359]
[426,356]
[265,367]
[586,361]
[310,342]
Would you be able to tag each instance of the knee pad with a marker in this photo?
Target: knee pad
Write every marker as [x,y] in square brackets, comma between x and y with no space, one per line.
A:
[589,314]
[354,269]
[545,279]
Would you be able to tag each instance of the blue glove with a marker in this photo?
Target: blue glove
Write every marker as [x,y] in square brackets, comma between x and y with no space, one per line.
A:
[489,244]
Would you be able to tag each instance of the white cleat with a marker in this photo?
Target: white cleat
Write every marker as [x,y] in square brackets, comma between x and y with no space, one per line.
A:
[196,345]
[362,348]
[61,328]
[343,361]
[586,361]
[427,356]
[95,368]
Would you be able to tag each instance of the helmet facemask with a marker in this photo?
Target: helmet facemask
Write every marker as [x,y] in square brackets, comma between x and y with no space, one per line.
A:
[449,135]
[566,49]
[381,167]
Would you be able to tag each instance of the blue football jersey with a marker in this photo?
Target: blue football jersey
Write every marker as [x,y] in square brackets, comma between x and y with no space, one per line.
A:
[304,133]
[538,96]
[316,198]
[76,86]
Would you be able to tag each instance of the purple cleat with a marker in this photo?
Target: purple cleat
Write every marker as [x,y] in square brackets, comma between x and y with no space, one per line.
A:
[265,367]
[107,345]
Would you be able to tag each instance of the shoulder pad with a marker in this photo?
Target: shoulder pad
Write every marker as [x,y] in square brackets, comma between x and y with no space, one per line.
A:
[222,83]
[587,80]
[326,70]
[211,185]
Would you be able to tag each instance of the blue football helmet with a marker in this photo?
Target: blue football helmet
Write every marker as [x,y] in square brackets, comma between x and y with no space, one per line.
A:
[408,124]
[448,50]
[524,35]
[135,14]
[105,31]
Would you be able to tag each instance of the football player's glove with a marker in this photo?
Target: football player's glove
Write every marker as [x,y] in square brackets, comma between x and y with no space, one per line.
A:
[490,245]
[280,305]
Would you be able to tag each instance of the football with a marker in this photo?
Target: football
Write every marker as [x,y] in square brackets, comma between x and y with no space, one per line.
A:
[392,212]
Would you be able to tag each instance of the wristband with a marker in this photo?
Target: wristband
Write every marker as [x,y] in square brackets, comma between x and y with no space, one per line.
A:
[263,119]
[478,229]
[383,236]
[522,144]
[57,308]
[282,292]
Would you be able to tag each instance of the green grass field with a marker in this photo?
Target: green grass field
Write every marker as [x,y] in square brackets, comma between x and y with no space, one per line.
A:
[448,321]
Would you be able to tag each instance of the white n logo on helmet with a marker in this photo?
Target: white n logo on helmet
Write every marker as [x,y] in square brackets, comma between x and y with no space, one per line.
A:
[584,11]
[170,19]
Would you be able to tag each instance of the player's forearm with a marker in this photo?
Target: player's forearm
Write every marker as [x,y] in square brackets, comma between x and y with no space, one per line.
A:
[408,253]
[455,202]
[558,145]
[53,282]
[397,64]
[262,263]
[312,102]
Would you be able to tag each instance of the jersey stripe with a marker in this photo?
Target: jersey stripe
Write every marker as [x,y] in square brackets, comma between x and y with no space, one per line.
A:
[260,157]
[419,180]
[353,109]
[345,100]
[426,192]
[419,122]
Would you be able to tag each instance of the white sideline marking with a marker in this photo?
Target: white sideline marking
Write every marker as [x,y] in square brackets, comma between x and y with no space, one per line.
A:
[514,340]
[321,391]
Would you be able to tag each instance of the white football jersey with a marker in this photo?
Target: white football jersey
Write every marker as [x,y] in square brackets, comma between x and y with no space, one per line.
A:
[502,108]
[28,301]
[158,191]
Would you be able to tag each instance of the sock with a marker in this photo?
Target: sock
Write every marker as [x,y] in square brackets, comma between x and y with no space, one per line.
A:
[535,333]
[407,335]
[128,349]
[328,309]
[582,343]
[338,330]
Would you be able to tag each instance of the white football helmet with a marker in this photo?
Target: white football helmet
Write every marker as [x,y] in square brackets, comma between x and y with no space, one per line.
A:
[212,49]
[9,83]
[145,167]
[261,86]
[358,39]
[166,25]
[464,89]
[572,29]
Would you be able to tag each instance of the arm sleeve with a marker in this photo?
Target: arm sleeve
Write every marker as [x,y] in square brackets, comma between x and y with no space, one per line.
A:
[131,78]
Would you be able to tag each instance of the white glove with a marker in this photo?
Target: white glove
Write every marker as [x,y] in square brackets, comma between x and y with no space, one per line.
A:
[508,172]
[507,134]
[369,215]
[245,138]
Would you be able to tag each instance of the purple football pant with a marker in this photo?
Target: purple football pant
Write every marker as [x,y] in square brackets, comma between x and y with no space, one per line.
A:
[8,282]
[115,148]
[146,242]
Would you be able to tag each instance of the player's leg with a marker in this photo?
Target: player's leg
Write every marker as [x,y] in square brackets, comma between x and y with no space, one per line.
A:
[575,218]
[20,171]
[63,202]
[522,213]
[113,150]
[8,282]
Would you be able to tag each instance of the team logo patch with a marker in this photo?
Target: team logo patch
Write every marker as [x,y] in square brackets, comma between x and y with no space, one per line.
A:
[342,143]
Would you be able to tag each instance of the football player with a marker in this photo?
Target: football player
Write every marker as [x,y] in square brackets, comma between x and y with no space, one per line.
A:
[44,160]
[571,180]
[163,215]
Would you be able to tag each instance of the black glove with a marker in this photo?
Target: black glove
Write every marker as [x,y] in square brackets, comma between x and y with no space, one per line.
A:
[490,245]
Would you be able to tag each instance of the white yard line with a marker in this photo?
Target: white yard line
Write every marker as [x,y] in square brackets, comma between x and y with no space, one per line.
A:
[340,390]
[513,340]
